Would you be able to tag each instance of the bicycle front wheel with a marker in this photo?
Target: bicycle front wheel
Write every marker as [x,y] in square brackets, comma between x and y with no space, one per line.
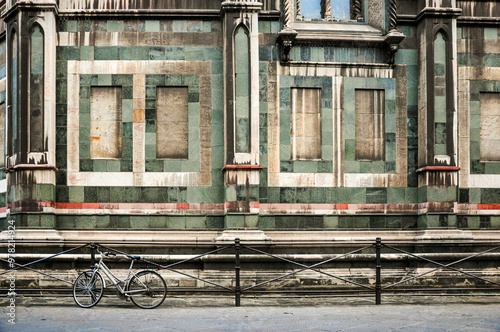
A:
[88,289]
[147,289]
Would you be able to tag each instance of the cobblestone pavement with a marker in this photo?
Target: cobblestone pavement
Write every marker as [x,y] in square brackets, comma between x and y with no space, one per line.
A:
[274,314]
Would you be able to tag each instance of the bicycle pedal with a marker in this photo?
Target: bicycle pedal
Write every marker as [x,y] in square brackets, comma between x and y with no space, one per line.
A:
[119,294]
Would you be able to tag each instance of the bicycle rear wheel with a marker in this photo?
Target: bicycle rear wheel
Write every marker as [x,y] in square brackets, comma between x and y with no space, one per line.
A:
[147,289]
[88,289]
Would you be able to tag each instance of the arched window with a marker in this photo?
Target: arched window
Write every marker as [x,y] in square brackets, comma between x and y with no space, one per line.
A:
[341,10]
[242,89]
[310,9]
[36,88]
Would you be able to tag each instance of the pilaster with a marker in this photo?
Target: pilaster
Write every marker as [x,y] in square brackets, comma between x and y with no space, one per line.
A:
[241,87]
[437,114]
[31,104]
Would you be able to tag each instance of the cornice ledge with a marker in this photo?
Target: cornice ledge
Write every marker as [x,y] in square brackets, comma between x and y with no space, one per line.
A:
[238,5]
[29,6]
[432,11]
[332,38]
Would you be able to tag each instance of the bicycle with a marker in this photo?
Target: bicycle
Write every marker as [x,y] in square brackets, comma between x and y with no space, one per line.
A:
[146,289]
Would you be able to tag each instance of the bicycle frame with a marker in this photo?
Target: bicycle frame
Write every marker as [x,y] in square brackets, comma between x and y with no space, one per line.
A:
[113,279]
[146,289]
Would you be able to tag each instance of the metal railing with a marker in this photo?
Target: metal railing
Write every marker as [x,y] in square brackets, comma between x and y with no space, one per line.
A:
[377,255]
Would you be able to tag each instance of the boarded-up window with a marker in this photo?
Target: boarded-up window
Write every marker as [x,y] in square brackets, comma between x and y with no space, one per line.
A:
[172,122]
[106,122]
[369,125]
[490,126]
[306,123]
[2,135]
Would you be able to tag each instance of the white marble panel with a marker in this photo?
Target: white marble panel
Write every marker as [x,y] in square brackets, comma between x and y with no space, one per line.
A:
[484,181]
[184,179]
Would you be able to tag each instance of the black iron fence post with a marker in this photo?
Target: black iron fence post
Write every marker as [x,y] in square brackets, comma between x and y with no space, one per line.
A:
[92,255]
[378,281]
[237,288]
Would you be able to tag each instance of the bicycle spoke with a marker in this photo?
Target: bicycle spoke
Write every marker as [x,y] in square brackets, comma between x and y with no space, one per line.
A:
[88,289]
[147,289]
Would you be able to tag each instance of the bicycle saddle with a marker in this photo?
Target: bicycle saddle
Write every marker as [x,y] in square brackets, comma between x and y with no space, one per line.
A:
[134,257]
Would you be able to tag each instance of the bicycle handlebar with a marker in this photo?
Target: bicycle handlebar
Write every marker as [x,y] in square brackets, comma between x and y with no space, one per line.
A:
[106,253]
[109,253]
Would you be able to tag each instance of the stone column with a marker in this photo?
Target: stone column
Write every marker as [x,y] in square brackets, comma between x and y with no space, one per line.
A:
[327,9]
[358,10]
[241,171]
[31,171]
[437,109]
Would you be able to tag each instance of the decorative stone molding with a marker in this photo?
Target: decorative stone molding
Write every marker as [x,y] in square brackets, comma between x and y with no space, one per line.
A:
[285,39]
[243,235]
[241,5]
[30,167]
[327,32]
[392,39]
[438,175]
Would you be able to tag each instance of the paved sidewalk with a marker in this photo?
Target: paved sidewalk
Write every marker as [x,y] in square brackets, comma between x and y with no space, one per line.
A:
[276,314]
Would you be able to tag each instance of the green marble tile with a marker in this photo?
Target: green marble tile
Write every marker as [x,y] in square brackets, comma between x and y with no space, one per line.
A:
[115,26]
[152,26]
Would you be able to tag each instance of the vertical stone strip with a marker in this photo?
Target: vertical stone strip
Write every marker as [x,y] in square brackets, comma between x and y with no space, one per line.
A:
[401,125]
[464,127]
[273,119]
[73,125]
[139,125]
[205,178]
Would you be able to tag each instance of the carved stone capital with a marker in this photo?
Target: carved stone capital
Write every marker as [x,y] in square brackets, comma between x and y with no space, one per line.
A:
[392,40]
[285,39]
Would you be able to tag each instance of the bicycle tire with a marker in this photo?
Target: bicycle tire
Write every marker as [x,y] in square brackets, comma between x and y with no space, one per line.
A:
[88,289]
[147,289]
